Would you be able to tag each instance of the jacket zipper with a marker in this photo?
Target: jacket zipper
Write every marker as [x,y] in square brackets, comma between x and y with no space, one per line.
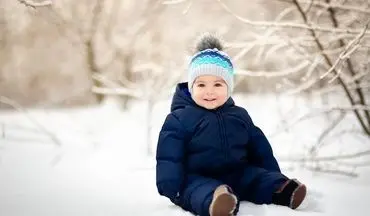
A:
[223,134]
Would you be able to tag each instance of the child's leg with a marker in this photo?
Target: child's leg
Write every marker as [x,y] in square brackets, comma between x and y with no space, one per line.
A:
[261,187]
[198,194]
[272,187]
[291,194]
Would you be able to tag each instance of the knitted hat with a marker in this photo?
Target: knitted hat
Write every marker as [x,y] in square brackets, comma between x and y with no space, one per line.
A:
[211,60]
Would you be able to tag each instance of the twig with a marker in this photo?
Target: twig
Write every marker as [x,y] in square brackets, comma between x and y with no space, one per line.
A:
[356,79]
[331,171]
[33,4]
[348,50]
[3,130]
[169,2]
[304,86]
[104,80]
[19,108]
[316,62]
[353,164]
[318,112]
[332,5]
[310,4]
[326,132]
[186,10]
[285,72]
[350,65]
[337,88]
[289,25]
[326,158]
[318,167]
[116,91]
[320,46]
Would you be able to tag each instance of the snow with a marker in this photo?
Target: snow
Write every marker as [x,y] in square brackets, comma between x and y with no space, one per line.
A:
[101,166]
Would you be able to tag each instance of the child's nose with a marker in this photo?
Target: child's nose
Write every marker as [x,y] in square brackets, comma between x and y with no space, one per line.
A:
[210,91]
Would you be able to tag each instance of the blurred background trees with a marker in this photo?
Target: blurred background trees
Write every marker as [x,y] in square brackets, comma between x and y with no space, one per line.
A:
[312,54]
[66,53]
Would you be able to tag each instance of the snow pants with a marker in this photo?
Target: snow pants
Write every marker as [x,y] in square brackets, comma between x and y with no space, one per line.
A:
[250,183]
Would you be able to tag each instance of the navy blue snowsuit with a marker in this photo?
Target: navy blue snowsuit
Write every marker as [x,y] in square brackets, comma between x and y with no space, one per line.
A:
[200,149]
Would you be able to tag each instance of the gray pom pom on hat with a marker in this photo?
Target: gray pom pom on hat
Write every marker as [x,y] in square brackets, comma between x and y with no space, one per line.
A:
[211,60]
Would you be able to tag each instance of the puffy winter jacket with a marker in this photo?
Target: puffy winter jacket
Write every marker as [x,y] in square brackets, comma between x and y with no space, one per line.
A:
[194,140]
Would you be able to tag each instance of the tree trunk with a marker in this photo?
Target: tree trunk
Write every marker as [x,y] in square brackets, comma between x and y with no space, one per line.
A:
[93,68]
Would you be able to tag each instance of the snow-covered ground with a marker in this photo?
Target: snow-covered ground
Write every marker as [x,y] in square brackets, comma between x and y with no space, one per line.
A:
[100,166]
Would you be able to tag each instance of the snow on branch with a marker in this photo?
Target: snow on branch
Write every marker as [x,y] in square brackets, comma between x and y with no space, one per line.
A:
[345,54]
[351,47]
[19,108]
[330,164]
[336,171]
[337,108]
[112,88]
[286,72]
[172,2]
[33,4]
[317,112]
[153,84]
[116,91]
[169,2]
[332,5]
[362,85]
[332,125]
[290,24]
[326,158]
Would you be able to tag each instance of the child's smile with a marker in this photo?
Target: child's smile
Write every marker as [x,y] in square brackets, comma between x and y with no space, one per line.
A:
[209,91]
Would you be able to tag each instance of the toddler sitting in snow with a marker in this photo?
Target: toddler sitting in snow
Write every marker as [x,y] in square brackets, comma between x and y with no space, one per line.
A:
[210,155]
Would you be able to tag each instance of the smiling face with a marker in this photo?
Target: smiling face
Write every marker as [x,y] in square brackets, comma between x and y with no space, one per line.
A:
[209,91]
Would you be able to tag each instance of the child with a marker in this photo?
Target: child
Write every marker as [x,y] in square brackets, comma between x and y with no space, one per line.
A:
[210,155]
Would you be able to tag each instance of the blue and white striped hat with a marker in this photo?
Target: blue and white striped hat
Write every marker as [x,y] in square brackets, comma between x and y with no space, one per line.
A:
[211,60]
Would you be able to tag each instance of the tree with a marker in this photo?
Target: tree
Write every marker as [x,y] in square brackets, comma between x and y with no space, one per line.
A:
[334,55]
[320,47]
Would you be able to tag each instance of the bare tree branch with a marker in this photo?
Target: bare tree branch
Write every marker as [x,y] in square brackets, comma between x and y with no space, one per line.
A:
[304,86]
[337,88]
[349,49]
[353,164]
[350,65]
[19,108]
[320,46]
[326,132]
[33,4]
[335,171]
[326,158]
[290,25]
[333,5]
[318,112]
[296,69]
[112,87]
[186,10]
[116,91]
[169,2]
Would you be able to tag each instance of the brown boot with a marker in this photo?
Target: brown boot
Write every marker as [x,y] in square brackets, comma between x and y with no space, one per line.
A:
[223,203]
[291,194]
[299,194]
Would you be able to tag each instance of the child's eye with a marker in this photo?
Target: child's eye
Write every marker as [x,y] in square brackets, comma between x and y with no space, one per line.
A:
[201,85]
[218,84]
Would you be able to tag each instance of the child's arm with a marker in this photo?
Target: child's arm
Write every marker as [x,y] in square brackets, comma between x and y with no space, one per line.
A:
[170,155]
[259,149]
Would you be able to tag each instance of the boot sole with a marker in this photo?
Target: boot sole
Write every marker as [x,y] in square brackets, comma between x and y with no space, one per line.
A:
[298,196]
[223,205]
